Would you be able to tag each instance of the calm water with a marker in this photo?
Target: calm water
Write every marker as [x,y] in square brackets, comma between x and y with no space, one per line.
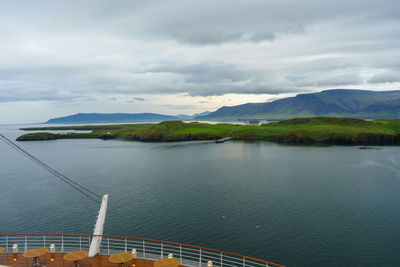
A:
[298,206]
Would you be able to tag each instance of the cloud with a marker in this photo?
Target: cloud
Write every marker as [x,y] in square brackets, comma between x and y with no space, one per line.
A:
[385,77]
[207,37]
[180,107]
[331,80]
[76,51]
[205,72]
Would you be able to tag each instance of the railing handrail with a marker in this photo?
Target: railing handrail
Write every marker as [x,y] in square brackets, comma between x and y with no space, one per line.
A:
[151,240]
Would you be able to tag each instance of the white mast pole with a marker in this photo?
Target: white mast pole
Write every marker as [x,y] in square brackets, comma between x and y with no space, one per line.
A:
[98,229]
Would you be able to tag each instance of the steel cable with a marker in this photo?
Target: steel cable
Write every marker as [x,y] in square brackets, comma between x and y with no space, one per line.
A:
[88,193]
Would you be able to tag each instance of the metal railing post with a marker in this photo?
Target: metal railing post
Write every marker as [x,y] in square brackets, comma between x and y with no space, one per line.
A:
[80,242]
[26,243]
[200,258]
[44,241]
[89,241]
[244,262]
[7,243]
[126,245]
[180,253]
[221,258]
[62,243]
[162,247]
[108,245]
[144,250]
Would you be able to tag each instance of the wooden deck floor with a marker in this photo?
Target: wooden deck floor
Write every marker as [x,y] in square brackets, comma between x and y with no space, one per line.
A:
[98,261]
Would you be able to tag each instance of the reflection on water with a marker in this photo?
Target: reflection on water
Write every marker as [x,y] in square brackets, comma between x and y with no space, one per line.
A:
[295,205]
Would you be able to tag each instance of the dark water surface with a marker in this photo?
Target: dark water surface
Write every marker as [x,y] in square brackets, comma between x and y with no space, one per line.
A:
[295,205]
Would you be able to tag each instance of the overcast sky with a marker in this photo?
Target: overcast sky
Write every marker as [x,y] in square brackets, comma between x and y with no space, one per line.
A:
[63,57]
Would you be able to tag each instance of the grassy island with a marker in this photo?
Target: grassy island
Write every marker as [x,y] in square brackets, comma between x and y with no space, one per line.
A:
[325,130]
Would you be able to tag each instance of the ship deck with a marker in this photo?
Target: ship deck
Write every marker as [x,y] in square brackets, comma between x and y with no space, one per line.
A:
[147,251]
[98,261]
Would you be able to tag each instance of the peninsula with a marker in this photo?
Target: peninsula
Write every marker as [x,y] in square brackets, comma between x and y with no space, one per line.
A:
[323,130]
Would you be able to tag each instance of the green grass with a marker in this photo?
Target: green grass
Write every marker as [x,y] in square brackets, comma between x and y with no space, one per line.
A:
[325,130]
[329,130]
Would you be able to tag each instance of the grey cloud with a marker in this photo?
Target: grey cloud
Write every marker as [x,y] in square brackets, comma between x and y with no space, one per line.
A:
[201,79]
[15,95]
[72,50]
[385,77]
[135,99]
[218,78]
[214,78]
[205,72]
[262,36]
[215,37]
[193,22]
[206,37]
[334,80]
[216,22]
[183,107]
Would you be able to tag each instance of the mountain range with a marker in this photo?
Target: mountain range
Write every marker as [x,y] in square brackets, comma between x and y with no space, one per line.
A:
[337,102]
[121,117]
[329,103]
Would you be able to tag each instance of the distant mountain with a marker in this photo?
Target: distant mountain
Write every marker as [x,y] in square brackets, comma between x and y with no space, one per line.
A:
[191,117]
[205,113]
[122,117]
[337,102]
[184,117]
[112,117]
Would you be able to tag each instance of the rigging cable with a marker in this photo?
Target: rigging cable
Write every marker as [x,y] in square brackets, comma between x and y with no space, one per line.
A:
[88,193]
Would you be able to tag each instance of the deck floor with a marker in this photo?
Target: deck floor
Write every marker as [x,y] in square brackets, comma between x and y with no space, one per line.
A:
[98,261]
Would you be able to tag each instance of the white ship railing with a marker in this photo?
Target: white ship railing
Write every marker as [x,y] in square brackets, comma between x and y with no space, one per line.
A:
[145,248]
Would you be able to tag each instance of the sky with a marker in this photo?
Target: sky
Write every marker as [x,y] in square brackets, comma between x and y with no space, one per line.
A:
[182,57]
